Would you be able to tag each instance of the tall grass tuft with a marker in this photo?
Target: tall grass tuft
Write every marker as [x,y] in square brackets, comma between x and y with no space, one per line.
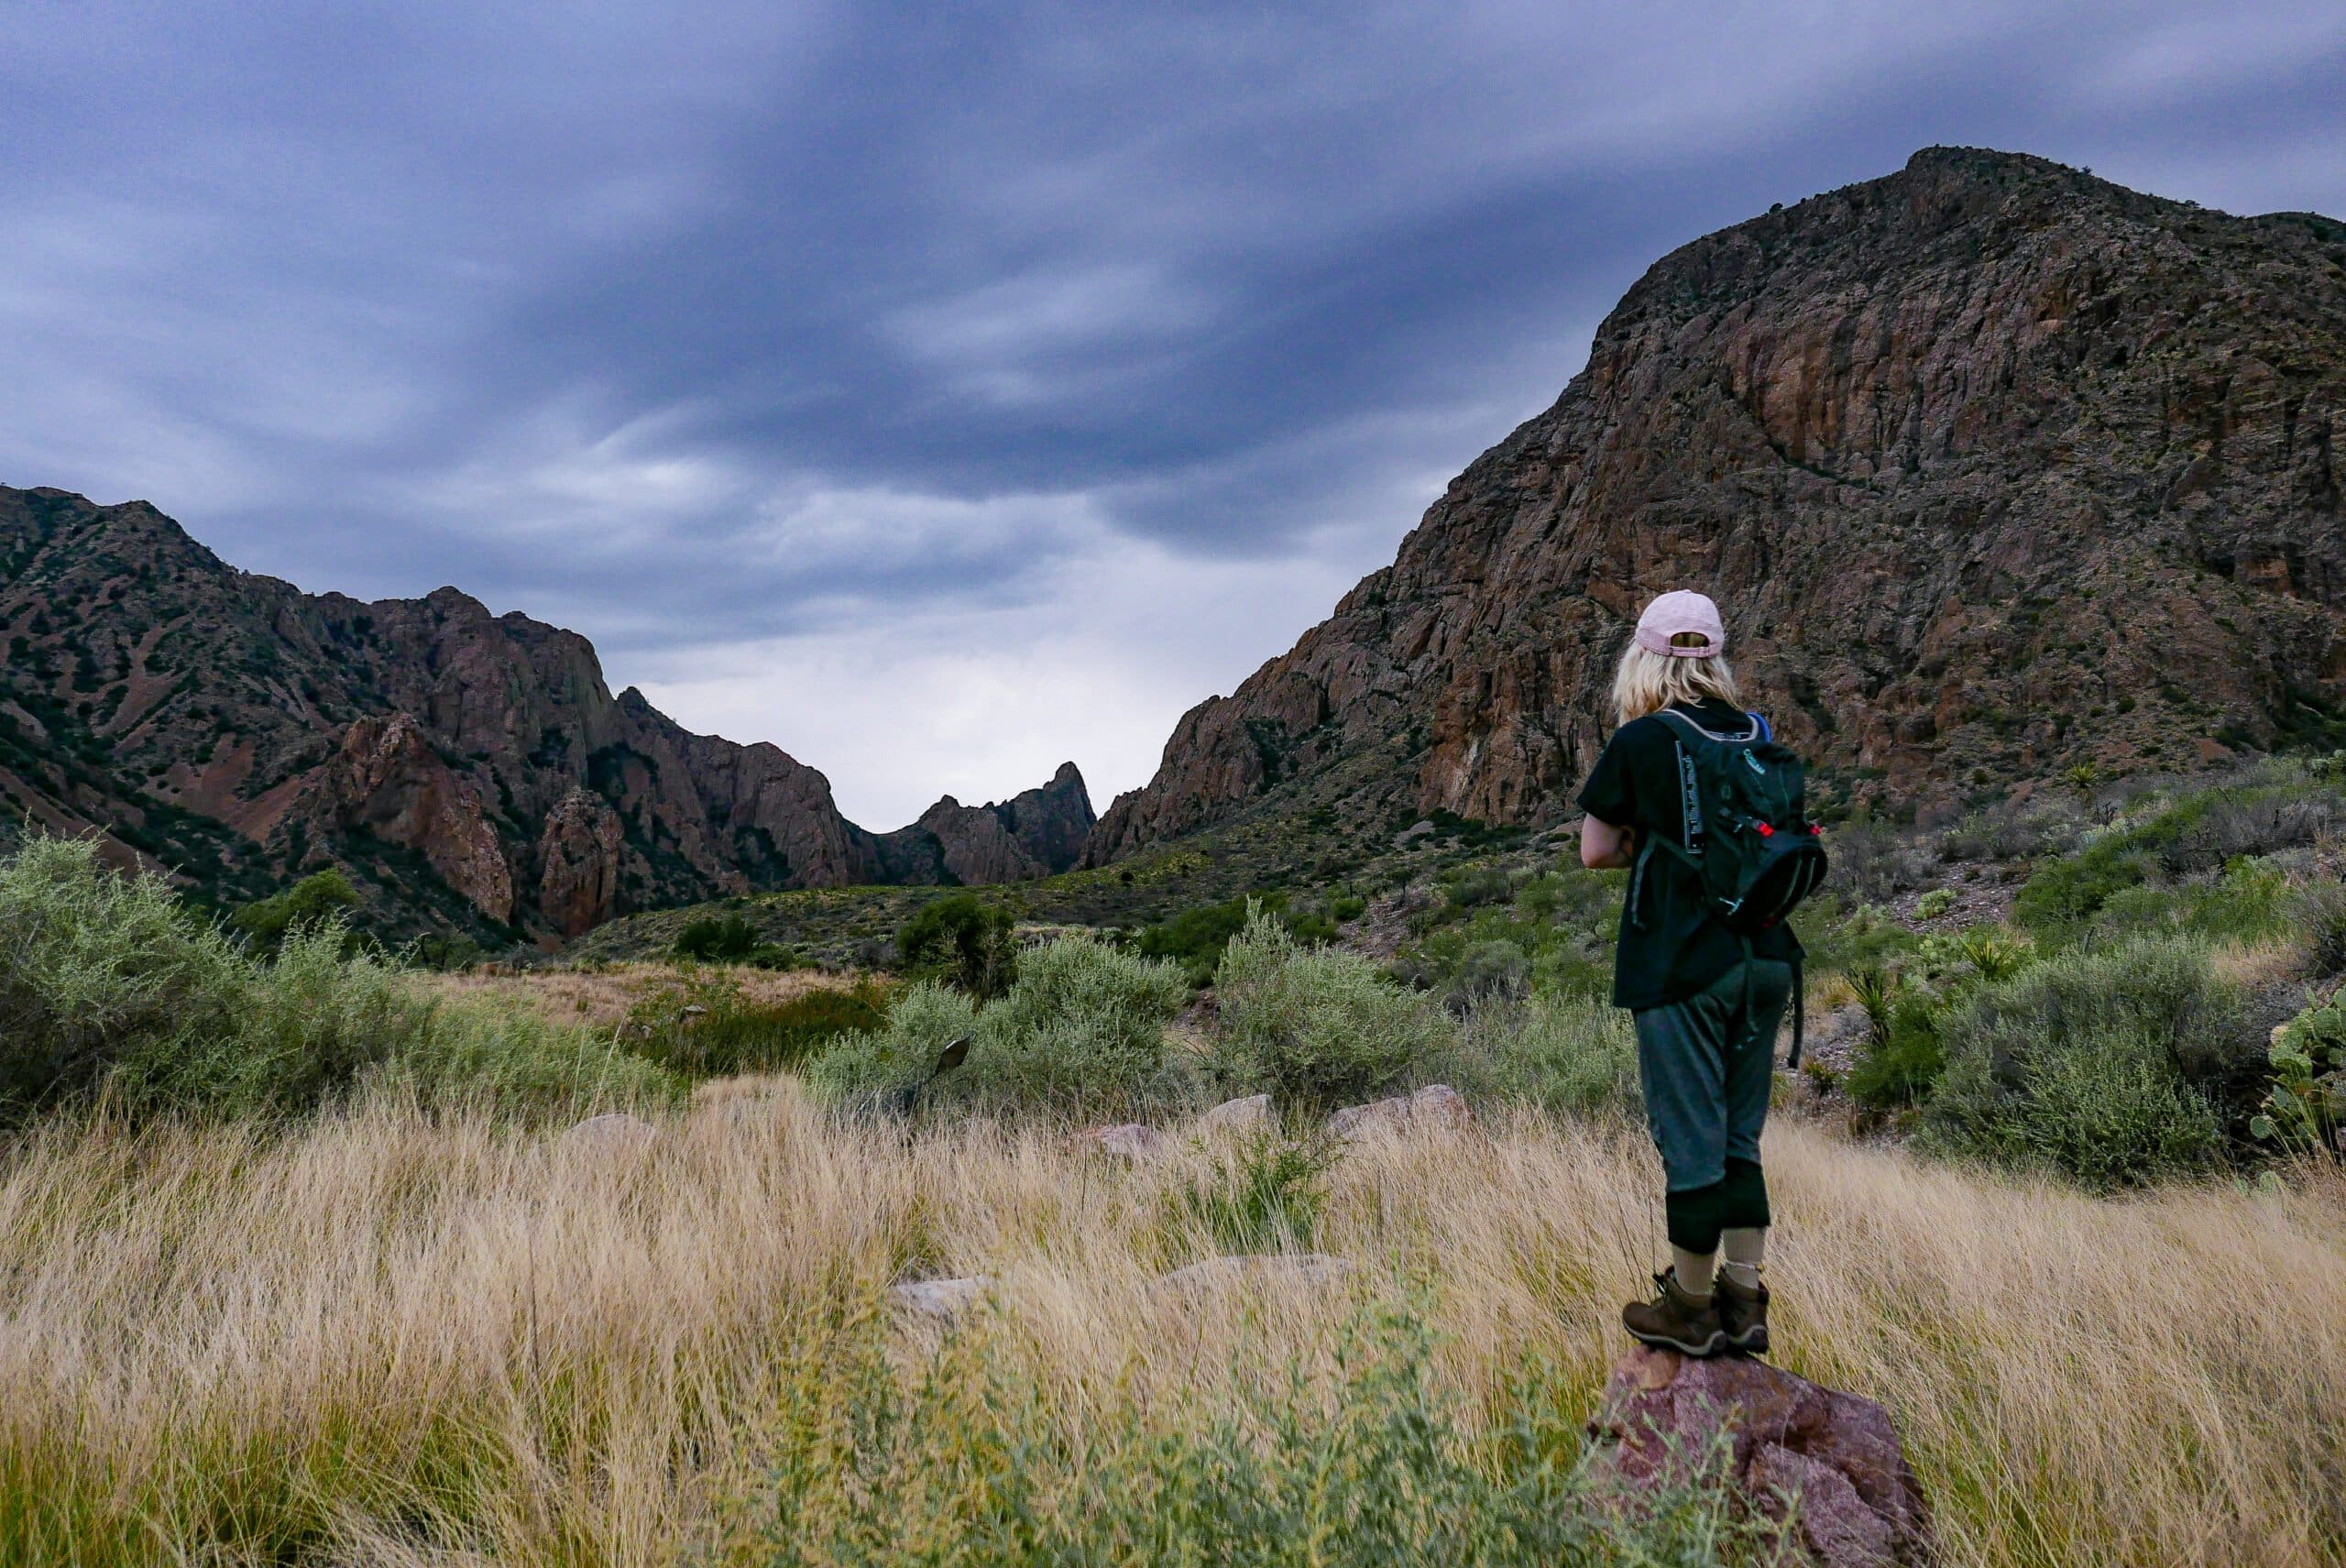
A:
[389,1337]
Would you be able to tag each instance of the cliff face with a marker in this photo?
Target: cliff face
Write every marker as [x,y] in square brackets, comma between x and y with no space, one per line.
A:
[470,768]
[1036,834]
[1995,469]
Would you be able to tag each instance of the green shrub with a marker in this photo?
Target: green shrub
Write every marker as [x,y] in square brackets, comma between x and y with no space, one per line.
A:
[1575,1054]
[1083,1030]
[2318,912]
[1899,1059]
[1314,1027]
[1479,885]
[1933,904]
[716,939]
[2106,1065]
[962,942]
[2199,835]
[704,1026]
[1488,973]
[98,969]
[107,981]
[880,1064]
[1195,937]
[314,900]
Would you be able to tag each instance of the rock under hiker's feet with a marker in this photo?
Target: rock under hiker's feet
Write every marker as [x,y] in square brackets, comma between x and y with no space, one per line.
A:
[1676,1320]
[1743,1313]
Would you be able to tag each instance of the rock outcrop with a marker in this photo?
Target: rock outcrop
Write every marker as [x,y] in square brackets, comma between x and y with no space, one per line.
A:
[1036,834]
[386,779]
[579,850]
[1997,468]
[1860,1505]
[468,769]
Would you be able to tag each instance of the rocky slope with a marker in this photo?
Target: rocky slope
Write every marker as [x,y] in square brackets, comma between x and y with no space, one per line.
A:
[471,770]
[1999,469]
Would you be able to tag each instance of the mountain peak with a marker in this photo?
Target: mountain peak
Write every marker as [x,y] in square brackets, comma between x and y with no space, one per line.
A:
[1966,452]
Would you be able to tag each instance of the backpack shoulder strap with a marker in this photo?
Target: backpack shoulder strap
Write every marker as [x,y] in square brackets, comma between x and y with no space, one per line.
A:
[1688,724]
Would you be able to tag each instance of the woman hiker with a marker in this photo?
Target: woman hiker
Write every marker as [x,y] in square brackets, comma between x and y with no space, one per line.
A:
[1692,797]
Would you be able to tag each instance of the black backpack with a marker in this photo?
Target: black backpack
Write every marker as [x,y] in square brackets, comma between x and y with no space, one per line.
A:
[1748,835]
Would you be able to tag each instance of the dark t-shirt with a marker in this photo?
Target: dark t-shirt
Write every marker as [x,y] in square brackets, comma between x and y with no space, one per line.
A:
[1677,947]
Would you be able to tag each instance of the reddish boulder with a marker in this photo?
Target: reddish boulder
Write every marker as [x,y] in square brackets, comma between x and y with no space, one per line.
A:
[1858,1501]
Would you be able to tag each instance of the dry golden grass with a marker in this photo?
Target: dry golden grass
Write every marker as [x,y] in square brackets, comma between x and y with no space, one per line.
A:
[601,997]
[381,1340]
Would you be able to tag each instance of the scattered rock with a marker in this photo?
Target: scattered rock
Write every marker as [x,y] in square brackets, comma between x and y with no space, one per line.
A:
[1859,1502]
[613,1130]
[1252,1114]
[694,1010]
[941,1298]
[1437,1105]
[1269,1268]
[1128,1140]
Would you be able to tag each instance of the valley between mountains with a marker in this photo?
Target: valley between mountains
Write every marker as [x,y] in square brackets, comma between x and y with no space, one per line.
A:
[2007,475]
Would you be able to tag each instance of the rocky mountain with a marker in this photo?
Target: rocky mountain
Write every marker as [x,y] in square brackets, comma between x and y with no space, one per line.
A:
[1999,470]
[470,770]
[1031,835]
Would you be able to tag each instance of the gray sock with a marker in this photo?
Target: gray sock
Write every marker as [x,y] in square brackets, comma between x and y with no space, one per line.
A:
[1693,1270]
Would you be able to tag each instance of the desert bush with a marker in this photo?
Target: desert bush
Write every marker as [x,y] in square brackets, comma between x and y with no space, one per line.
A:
[883,1064]
[500,1055]
[2106,1065]
[2197,836]
[1899,1057]
[1314,1025]
[1489,972]
[1874,862]
[705,1024]
[2318,912]
[1372,1466]
[1575,1054]
[97,971]
[107,981]
[963,942]
[731,940]
[1083,1030]
[314,900]
[1479,885]
[2010,830]
[1195,938]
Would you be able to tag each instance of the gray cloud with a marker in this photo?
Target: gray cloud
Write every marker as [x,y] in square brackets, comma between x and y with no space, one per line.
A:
[770,343]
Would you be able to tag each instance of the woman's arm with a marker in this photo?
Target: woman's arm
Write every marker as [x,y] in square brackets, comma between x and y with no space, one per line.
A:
[1604,846]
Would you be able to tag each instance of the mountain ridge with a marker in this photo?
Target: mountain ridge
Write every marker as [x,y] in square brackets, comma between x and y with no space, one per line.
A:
[1919,435]
[232,727]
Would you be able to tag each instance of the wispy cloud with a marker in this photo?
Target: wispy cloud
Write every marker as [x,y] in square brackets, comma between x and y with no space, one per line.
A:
[942,391]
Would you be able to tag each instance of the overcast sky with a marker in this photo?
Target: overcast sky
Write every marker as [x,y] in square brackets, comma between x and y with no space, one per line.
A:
[943,391]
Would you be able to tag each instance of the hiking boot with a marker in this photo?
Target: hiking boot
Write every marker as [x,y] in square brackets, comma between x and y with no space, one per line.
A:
[1743,1313]
[1674,1320]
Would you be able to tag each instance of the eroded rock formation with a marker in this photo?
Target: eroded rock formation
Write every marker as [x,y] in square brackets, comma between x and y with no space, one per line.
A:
[465,768]
[1997,468]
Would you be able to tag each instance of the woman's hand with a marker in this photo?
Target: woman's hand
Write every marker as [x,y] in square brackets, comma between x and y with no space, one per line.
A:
[1604,846]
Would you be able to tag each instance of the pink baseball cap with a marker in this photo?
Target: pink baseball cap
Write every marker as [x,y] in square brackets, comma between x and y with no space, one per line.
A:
[1676,613]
